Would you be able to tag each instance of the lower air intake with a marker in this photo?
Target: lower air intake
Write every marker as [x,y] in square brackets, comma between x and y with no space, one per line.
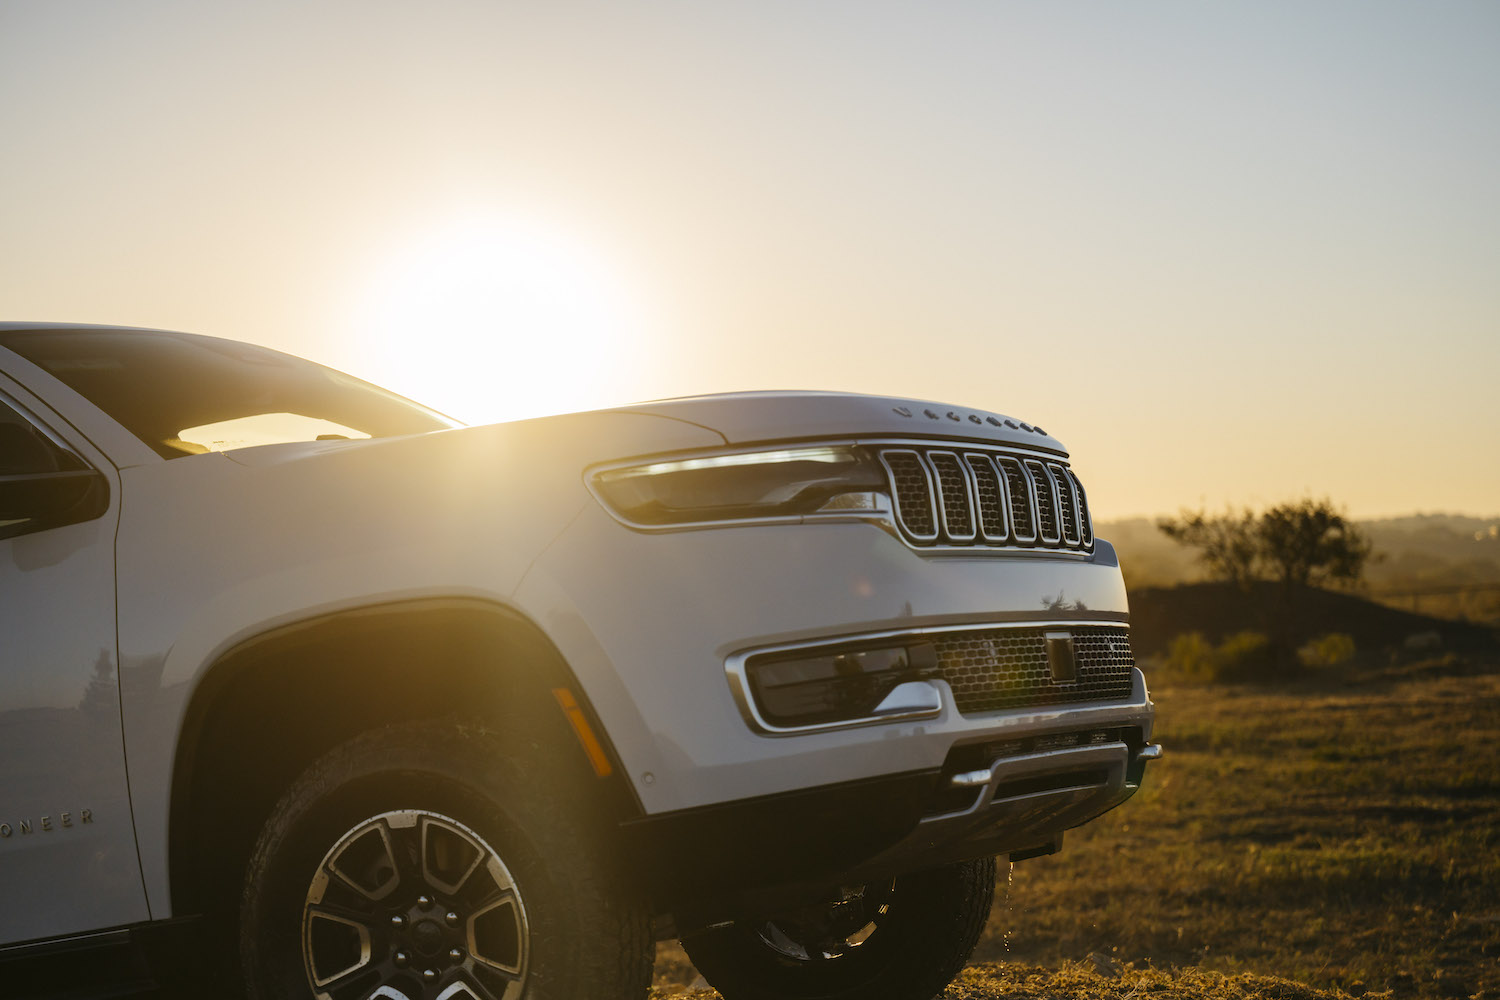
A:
[998,668]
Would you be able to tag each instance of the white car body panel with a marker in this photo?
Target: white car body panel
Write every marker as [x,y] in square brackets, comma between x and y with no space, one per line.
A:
[436,517]
[67,843]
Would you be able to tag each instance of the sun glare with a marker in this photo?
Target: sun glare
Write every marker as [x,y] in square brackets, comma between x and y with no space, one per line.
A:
[498,318]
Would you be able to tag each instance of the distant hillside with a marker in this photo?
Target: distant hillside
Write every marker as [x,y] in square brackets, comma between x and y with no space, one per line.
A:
[1440,564]
[1434,549]
[1219,609]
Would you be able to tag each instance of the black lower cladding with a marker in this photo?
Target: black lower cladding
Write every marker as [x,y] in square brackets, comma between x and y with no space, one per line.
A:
[764,854]
[164,960]
[753,852]
[803,836]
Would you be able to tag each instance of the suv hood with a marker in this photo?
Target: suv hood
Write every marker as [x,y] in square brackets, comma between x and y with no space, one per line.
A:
[746,417]
[736,418]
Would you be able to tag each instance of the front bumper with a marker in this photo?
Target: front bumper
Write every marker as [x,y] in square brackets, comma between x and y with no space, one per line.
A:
[648,623]
[761,856]
[736,819]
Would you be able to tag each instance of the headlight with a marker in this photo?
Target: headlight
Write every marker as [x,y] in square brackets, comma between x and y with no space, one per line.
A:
[747,485]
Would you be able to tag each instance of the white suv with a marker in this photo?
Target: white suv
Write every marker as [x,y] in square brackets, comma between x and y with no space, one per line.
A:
[306,690]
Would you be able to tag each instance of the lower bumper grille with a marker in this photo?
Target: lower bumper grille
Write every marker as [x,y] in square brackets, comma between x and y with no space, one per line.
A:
[997,668]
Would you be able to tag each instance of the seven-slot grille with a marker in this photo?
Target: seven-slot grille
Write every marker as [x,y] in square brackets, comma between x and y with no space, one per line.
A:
[994,668]
[971,496]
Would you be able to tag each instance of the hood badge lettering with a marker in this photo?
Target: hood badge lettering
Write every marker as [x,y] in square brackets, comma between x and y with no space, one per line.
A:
[974,418]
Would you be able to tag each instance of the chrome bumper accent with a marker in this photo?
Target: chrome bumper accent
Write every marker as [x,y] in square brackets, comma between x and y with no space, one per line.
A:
[1105,764]
[1027,801]
[974,779]
[989,775]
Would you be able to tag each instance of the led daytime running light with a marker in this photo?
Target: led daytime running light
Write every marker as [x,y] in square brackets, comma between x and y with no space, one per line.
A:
[830,455]
[745,486]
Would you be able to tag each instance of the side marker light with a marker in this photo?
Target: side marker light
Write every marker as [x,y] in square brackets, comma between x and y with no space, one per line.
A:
[585,733]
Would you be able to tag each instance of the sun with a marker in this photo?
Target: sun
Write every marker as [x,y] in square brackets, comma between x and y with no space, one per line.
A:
[500,316]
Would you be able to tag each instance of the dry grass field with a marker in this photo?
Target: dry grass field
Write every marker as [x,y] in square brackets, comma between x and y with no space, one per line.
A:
[1336,835]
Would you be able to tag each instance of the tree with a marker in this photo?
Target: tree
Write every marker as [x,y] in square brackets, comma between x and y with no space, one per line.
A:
[1227,544]
[1308,543]
[1303,543]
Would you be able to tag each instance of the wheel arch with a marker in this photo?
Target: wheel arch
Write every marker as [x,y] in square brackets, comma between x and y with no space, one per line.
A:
[271,705]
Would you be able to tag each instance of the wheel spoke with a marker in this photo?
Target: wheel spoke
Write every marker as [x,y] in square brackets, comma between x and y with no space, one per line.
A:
[461,991]
[490,982]
[366,862]
[449,856]
[778,939]
[337,945]
[343,914]
[497,935]
[387,993]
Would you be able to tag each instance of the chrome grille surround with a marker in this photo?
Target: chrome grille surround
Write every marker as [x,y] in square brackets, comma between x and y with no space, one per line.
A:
[951,498]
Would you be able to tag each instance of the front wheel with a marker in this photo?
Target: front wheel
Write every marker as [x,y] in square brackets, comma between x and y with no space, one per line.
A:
[423,863]
[902,940]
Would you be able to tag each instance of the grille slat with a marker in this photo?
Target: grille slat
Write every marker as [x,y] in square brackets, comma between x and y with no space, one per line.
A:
[1046,501]
[989,491]
[953,495]
[1066,509]
[1023,524]
[913,492]
[1000,668]
[1085,525]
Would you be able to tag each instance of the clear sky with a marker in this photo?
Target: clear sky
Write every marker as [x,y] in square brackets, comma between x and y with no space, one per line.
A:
[1228,252]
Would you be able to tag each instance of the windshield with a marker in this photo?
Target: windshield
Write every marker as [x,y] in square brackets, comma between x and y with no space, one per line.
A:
[184,395]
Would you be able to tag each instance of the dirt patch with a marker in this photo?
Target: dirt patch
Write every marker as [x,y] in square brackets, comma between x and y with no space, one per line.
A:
[1096,980]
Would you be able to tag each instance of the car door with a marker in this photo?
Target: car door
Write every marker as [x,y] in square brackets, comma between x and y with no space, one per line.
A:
[68,859]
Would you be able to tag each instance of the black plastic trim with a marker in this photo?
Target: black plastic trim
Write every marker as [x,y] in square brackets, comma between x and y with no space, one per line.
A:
[714,853]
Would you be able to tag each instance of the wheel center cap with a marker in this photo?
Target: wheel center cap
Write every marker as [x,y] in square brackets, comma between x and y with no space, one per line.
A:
[428,937]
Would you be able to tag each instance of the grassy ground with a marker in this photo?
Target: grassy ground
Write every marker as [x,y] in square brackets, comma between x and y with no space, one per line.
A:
[1343,833]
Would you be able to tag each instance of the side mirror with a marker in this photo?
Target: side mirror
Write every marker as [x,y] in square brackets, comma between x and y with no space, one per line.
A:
[40,500]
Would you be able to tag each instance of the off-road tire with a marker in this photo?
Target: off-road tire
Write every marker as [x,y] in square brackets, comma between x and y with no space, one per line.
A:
[588,936]
[922,938]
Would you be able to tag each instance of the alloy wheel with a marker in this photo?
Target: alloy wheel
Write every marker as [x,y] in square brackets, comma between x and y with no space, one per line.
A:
[413,905]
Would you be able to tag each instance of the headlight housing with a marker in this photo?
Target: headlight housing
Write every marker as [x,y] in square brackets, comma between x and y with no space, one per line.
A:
[784,483]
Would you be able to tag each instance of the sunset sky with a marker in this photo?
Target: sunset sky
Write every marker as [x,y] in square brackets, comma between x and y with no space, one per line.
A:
[1228,252]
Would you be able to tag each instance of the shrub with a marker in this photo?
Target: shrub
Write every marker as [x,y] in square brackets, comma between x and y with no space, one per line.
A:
[1327,650]
[1245,656]
[1190,657]
[1242,656]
